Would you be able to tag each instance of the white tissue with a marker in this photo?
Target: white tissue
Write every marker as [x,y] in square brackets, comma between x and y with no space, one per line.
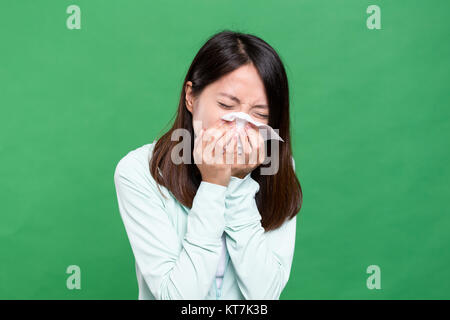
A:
[241,120]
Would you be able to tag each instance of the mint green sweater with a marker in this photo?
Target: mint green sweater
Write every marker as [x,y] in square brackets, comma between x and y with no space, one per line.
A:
[177,249]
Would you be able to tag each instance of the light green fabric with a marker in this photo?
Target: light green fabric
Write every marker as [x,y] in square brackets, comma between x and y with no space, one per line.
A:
[177,249]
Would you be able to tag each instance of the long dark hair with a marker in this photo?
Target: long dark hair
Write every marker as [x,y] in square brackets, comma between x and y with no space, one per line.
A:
[280,195]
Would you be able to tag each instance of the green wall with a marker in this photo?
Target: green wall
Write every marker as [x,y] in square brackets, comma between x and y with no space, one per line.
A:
[370,130]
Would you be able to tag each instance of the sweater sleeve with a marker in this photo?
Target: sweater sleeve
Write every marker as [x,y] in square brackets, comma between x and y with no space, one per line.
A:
[262,260]
[173,268]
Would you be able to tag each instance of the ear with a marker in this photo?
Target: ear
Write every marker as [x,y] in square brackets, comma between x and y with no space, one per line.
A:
[189,99]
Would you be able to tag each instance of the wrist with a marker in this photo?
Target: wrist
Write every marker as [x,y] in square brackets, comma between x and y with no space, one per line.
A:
[240,175]
[216,181]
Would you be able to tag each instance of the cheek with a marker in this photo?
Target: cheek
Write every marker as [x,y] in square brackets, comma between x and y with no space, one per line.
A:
[203,120]
[262,120]
[211,116]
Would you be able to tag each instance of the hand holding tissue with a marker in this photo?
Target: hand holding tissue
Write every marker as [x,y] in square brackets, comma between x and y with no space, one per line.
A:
[241,120]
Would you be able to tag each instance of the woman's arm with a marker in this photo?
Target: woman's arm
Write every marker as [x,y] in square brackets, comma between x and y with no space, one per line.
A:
[172,268]
[262,260]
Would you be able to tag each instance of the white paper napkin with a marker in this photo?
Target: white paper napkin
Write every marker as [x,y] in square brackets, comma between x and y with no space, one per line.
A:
[241,120]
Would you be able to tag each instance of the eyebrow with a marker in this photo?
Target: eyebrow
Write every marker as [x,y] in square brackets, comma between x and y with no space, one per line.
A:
[239,101]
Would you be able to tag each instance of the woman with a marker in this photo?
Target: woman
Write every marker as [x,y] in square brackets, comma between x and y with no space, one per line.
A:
[211,228]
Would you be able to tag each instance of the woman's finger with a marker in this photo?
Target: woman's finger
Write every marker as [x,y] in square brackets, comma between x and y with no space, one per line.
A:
[261,149]
[197,144]
[246,147]
[219,149]
[231,150]
[210,143]
[253,140]
[198,138]
[214,129]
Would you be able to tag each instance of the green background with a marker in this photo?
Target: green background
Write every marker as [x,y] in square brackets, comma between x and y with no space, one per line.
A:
[370,130]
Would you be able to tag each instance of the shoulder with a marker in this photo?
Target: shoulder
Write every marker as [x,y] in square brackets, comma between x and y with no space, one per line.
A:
[135,159]
[134,168]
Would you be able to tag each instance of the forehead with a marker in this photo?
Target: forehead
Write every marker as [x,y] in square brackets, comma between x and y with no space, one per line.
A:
[243,83]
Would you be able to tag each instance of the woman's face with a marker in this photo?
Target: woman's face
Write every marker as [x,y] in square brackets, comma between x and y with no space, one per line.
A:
[241,90]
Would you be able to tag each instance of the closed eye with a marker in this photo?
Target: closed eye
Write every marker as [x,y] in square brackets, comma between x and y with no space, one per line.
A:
[224,105]
[264,116]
